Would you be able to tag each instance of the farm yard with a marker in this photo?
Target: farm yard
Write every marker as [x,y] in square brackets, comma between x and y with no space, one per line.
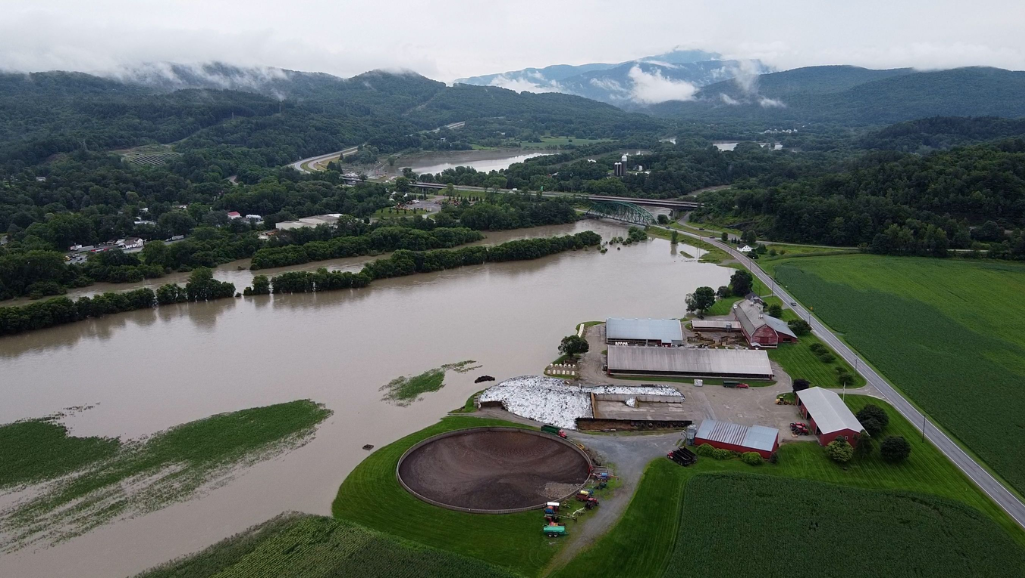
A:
[897,533]
[313,546]
[948,333]
[643,539]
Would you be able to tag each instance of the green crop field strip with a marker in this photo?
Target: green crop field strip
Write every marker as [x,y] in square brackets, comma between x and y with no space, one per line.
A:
[948,333]
[798,360]
[304,546]
[372,497]
[115,479]
[627,544]
[834,530]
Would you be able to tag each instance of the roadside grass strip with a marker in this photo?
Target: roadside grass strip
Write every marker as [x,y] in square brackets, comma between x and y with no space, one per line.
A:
[140,476]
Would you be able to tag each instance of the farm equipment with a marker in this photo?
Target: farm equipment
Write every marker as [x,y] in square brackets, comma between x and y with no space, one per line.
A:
[683,456]
[799,429]
[554,506]
[786,399]
[727,383]
[553,430]
[587,497]
[551,519]
[554,531]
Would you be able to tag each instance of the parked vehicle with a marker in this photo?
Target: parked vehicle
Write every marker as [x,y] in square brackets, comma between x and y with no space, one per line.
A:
[554,531]
[742,385]
[553,430]
[799,428]
[587,497]
[683,456]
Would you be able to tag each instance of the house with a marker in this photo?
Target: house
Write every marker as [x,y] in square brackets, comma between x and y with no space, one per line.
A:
[256,219]
[661,332]
[328,219]
[746,249]
[738,438]
[234,215]
[133,243]
[40,179]
[759,329]
[828,416]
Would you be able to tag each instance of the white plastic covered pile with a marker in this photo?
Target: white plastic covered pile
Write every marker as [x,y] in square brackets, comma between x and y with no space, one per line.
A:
[549,400]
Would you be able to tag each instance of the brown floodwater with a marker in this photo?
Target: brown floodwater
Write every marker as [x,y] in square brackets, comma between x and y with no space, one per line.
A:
[149,370]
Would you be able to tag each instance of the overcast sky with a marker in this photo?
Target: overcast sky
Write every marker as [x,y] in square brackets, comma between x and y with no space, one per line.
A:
[448,39]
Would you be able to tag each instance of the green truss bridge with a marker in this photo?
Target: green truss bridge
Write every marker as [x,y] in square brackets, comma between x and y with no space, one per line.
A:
[620,211]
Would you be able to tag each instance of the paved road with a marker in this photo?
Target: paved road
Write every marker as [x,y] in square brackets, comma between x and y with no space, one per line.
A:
[983,479]
[298,165]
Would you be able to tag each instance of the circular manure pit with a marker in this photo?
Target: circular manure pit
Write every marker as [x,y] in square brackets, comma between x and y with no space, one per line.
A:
[493,470]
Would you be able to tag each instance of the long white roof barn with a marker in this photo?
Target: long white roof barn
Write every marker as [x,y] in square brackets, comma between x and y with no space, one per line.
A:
[831,414]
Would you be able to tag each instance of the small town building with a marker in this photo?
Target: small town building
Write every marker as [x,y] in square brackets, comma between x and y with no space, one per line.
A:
[329,219]
[828,416]
[760,329]
[738,438]
[660,332]
[746,249]
[257,219]
[234,215]
[689,362]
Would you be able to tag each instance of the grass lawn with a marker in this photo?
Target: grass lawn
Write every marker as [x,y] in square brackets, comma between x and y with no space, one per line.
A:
[629,548]
[560,141]
[947,332]
[372,497]
[304,546]
[907,534]
[798,360]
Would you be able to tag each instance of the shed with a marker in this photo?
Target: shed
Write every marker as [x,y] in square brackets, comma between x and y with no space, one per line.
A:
[759,329]
[726,325]
[828,416]
[689,362]
[662,332]
[738,438]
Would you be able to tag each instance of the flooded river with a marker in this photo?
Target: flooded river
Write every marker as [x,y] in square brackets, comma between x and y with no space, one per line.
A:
[150,370]
[483,161]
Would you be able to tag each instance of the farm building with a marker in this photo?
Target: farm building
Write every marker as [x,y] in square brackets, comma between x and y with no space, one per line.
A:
[738,438]
[761,330]
[828,416]
[689,362]
[727,325]
[661,332]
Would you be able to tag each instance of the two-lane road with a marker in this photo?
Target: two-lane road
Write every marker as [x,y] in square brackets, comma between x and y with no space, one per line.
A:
[982,478]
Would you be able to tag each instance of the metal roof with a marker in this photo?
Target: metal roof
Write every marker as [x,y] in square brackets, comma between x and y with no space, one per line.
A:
[699,324]
[779,326]
[828,410]
[687,360]
[756,437]
[668,331]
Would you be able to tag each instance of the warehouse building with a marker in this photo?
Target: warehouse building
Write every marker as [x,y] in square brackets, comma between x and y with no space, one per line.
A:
[828,416]
[761,330]
[738,438]
[689,362]
[661,332]
[724,325]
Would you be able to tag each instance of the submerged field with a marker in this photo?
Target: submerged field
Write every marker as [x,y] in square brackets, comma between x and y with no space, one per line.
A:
[946,332]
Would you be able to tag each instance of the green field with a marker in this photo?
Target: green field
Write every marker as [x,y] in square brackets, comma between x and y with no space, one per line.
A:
[948,333]
[560,141]
[628,545]
[304,546]
[115,479]
[798,360]
[827,530]
[372,497]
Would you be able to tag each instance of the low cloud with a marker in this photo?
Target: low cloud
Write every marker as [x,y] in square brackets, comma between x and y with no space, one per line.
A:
[728,100]
[745,75]
[654,88]
[766,102]
[520,84]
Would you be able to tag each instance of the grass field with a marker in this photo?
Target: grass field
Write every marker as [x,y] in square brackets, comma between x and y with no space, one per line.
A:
[140,476]
[560,141]
[372,497]
[786,524]
[948,333]
[313,546]
[628,549]
[405,390]
[36,450]
[798,360]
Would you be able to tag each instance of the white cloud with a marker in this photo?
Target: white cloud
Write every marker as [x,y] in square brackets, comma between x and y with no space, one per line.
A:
[745,75]
[608,84]
[766,102]
[654,88]
[521,84]
[728,100]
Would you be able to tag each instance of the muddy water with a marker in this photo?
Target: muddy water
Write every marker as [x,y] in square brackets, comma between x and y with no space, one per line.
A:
[482,161]
[150,370]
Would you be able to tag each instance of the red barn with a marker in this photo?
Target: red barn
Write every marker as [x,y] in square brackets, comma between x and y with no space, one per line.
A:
[738,438]
[828,416]
[761,330]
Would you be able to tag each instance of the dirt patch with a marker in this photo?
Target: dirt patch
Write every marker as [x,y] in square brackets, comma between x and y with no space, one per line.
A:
[493,469]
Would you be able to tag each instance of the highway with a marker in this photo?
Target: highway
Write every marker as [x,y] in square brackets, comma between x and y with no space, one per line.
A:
[298,165]
[982,478]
